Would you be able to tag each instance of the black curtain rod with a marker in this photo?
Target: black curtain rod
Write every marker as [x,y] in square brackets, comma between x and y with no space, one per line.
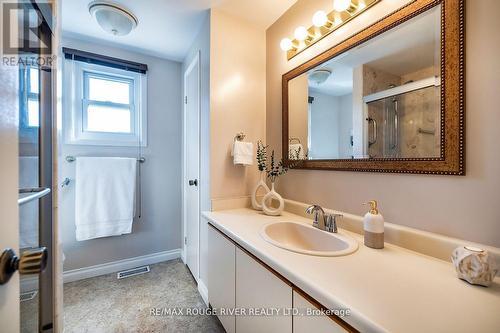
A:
[98,59]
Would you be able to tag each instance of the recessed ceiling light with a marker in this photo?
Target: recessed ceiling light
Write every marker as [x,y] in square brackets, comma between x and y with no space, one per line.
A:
[113,18]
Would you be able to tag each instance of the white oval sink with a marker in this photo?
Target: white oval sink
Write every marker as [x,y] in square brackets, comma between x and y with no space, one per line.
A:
[306,239]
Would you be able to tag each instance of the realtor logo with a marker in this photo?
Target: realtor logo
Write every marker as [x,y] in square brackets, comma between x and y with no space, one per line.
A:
[22,25]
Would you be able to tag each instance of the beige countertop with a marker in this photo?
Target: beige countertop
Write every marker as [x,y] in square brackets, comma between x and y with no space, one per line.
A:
[393,289]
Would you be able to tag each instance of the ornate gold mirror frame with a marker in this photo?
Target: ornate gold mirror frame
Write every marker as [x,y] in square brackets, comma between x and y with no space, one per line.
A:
[452,159]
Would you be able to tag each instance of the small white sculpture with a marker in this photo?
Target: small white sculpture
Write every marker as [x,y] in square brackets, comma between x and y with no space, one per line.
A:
[474,265]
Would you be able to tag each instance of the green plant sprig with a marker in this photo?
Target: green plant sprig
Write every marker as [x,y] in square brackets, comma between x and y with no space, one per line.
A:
[261,156]
[275,168]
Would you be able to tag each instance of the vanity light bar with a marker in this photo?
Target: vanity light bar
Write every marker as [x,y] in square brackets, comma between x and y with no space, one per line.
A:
[324,24]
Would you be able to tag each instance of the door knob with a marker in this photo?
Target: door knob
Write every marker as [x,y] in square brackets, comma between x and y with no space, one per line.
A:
[193,182]
[32,261]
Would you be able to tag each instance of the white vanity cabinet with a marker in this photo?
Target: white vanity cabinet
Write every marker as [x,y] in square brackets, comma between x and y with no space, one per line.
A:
[316,323]
[238,280]
[221,276]
[260,289]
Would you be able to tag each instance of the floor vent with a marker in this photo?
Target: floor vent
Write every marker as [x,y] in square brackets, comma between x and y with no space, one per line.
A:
[28,296]
[132,272]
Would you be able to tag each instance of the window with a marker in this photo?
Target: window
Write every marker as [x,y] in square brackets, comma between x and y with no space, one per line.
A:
[29,87]
[108,105]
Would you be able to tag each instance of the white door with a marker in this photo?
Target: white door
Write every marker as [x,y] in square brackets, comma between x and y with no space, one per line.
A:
[192,166]
[9,224]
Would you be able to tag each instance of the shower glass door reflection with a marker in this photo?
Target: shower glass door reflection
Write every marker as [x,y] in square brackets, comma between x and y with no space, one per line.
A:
[407,125]
[29,122]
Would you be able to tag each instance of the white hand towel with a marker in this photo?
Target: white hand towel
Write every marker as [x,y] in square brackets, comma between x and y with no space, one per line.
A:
[105,196]
[242,153]
[293,149]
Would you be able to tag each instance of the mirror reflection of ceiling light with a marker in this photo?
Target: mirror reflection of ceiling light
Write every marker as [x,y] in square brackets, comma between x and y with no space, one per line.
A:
[113,18]
[320,76]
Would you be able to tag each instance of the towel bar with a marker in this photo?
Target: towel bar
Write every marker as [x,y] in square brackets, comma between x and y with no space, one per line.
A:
[32,194]
[70,159]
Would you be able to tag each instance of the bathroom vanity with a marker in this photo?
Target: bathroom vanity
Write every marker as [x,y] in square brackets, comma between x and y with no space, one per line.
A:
[393,289]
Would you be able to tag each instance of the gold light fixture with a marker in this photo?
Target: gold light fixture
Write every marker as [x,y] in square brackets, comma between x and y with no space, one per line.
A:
[324,24]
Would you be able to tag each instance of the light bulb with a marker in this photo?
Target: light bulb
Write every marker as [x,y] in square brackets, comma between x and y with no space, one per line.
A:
[341,5]
[361,5]
[286,44]
[337,19]
[301,33]
[319,19]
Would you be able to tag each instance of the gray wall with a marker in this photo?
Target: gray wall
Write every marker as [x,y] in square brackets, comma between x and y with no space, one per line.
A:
[345,126]
[324,126]
[159,229]
[202,45]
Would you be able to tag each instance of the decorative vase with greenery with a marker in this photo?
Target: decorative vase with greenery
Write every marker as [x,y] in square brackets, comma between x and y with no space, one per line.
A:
[261,164]
[274,170]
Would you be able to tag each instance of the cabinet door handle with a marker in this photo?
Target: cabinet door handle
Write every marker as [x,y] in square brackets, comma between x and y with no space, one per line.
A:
[193,182]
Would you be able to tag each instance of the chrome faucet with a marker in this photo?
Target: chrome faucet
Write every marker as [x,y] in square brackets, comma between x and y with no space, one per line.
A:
[322,220]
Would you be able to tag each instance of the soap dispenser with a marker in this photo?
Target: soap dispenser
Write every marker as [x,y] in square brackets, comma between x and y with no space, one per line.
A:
[373,224]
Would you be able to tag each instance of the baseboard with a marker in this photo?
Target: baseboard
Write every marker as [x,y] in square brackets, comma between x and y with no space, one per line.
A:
[120,265]
[203,290]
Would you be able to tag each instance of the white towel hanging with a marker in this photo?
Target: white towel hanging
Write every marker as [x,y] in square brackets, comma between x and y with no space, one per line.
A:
[242,153]
[104,196]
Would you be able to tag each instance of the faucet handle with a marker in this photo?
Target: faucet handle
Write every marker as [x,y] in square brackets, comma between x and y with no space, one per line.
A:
[331,222]
[315,210]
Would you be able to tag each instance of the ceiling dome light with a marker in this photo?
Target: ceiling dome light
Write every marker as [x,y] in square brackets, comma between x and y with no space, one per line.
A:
[341,5]
[113,18]
[286,44]
[320,76]
[320,19]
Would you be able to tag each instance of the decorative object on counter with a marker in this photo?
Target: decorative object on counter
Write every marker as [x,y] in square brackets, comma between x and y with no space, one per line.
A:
[269,197]
[261,164]
[474,265]
[242,152]
[274,170]
[373,224]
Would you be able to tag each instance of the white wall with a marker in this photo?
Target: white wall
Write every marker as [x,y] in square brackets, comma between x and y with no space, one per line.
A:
[238,99]
[462,207]
[159,229]
[201,45]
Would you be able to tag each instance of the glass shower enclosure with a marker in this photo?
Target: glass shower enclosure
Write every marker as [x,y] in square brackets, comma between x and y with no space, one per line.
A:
[404,122]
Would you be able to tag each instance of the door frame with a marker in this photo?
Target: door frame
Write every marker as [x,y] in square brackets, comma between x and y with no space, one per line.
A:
[192,64]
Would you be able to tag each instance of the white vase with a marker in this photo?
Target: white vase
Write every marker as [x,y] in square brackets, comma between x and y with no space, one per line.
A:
[268,198]
[261,184]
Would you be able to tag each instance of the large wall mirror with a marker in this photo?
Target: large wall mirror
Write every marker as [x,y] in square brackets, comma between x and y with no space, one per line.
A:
[388,99]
